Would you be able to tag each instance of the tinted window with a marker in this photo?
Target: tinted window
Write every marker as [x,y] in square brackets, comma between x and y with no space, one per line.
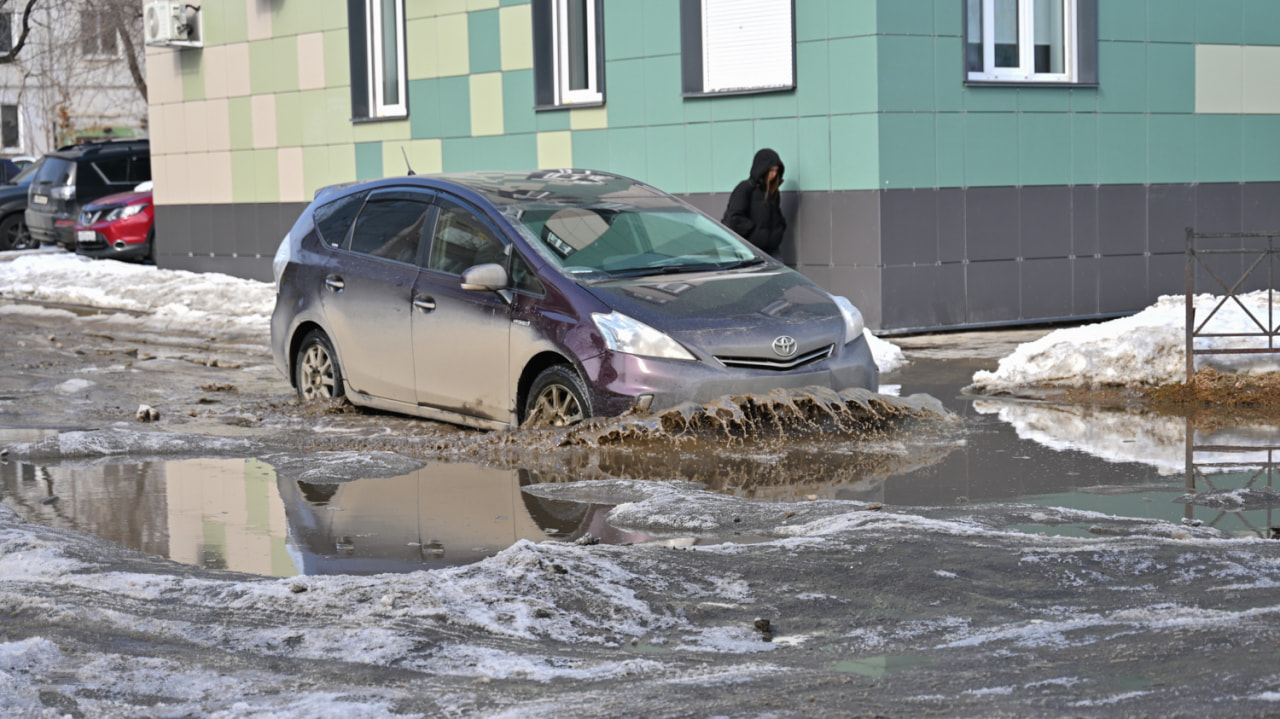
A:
[56,171]
[390,228]
[462,241]
[334,219]
[522,278]
[123,170]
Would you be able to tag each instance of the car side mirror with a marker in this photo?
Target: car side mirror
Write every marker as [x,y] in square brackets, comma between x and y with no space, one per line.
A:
[489,277]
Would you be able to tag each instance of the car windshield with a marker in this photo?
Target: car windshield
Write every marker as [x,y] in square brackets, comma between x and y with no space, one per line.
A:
[626,241]
[25,174]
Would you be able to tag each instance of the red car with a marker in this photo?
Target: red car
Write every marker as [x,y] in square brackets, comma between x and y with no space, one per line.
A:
[121,226]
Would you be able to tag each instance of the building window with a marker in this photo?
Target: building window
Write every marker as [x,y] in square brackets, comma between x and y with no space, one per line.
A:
[568,46]
[6,32]
[10,130]
[376,35]
[737,46]
[1031,41]
[98,33]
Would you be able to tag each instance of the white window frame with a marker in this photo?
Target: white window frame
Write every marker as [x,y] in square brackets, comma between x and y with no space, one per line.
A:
[379,104]
[1025,71]
[560,40]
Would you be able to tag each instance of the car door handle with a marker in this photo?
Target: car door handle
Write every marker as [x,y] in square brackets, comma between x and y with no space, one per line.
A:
[334,283]
[426,304]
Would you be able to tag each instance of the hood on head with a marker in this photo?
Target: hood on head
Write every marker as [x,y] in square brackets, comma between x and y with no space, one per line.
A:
[765,158]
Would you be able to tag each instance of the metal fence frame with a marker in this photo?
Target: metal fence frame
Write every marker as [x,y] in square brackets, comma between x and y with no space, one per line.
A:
[1270,330]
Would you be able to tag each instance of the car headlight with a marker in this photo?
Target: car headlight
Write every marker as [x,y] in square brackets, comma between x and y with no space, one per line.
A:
[853,324]
[630,336]
[126,211]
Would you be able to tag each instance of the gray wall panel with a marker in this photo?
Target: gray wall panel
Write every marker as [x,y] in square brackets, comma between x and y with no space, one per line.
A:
[1084,221]
[1045,222]
[991,223]
[1046,288]
[1171,209]
[909,227]
[951,224]
[1122,219]
[993,291]
[1122,284]
[1261,202]
[1219,208]
[1085,286]
[855,228]
[809,226]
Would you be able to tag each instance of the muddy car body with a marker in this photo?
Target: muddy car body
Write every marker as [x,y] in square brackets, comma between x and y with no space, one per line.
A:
[487,299]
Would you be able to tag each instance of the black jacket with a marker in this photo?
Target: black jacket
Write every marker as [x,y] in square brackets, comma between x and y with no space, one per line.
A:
[752,211]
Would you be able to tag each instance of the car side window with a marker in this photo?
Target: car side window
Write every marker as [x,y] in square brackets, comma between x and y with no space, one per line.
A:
[334,219]
[523,278]
[462,241]
[390,228]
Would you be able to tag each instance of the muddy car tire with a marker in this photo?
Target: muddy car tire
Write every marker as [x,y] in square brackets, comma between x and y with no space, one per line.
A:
[14,234]
[557,398]
[316,373]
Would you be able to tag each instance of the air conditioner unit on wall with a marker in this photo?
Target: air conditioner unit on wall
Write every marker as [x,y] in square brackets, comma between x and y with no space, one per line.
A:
[166,23]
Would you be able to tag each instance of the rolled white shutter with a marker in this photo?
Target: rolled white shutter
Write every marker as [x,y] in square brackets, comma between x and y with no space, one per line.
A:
[746,45]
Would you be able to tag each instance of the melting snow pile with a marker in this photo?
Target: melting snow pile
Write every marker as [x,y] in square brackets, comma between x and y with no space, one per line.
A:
[1143,349]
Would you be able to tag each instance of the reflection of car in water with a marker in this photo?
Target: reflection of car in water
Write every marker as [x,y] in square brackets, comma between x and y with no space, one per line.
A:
[441,515]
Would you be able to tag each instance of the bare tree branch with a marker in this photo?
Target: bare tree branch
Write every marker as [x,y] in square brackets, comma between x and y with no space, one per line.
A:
[12,55]
[131,54]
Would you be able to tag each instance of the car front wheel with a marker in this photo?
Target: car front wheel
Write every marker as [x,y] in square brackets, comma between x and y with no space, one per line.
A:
[558,398]
[316,371]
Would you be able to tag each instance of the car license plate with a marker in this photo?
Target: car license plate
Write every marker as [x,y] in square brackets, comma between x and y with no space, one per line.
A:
[86,236]
[40,199]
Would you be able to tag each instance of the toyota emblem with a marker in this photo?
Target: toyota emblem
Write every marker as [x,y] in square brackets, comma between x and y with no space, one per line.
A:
[784,346]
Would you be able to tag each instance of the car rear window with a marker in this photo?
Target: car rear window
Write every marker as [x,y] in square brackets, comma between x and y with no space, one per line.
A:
[123,170]
[334,219]
[56,171]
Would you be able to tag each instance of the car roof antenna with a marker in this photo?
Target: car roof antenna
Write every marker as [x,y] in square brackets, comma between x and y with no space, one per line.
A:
[406,161]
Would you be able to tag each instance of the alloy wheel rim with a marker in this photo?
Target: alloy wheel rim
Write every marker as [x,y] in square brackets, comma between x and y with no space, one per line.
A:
[557,407]
[317,373]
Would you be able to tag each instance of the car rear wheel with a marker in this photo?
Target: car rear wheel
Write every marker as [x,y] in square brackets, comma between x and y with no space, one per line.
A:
[316,371]
[558,398]
[14,234]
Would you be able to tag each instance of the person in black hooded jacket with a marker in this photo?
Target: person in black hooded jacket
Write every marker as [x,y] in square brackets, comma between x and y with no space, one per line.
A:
[754,210]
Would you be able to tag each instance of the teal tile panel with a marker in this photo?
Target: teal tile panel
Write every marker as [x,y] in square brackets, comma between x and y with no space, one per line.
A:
[627,152]
[1044,99]
[905,17]
[661,27]
[666,158]
[1219,148]
[1084,148]
[855,152]
[517,102]
[813,78]
[627,98]
[948,74]
[484,41]
[1084,99]
[494,152]
[776,104]
[1171,149]
[1261,22]
[453,95]
[732,107]
[908,65]
[851,18]
[1261,151]
[948,19]
[854,85]
[811,168]
[1171,21]
[424,109]
[783,135]
[1122,154]
[1124,87]
[1220,22]
[698,109]
[698,151]
[1044,148]
[662,102]
[732,147]
[552,120]
[991,149]
[812,21]
[908,150]
[506,3]
[1125,20]
[624,37]
[591,149]
[368,160]
[1171,83]
[991,99]
[950,142]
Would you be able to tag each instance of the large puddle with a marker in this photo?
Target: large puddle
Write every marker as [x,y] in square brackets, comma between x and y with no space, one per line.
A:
[246,514]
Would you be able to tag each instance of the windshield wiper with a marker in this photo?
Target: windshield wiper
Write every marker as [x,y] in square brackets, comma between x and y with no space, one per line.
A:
[749,262]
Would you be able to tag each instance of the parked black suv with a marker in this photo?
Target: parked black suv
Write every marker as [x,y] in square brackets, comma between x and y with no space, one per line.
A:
[77,174]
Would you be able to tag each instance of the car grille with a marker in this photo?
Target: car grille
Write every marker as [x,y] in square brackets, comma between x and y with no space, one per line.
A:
[777,364]
[88,217]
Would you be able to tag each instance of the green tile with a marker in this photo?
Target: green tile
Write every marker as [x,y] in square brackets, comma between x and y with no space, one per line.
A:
[315,169]
[811,169]
[726,108]
[783,135]
[1261,22]
[192,75]
[1044,148]
[783,103]
[314,109]
[1124,88]
[908,150]
[1084,99]
[991,99]
[289,131]
[1044,99]
[1171,142]
[1122,20]
[950,162]
[506,3]
[698,109]
[855,152]
[507,152]
[334,15]
[1172,87]
[229,25]
[262,58]
[854,87]
[424,109]
[811,21]
[591,149]
[453,95]
[947,18]
[285,68]
[1171,21]
[732,147]
[255,176]
[666,158]
[662,102]
[813,78]
[338,129]
[240,117]
[1219,148]
[517,102]
[1262,152]
[296,18]
[948,74]
[991,149]
[368,160]
[910,60]
[1218,22]
[623,30]
[661,27]
[626,101]
[337,59]
[1122,154]
[698,146]
[1084,148]
[904,17]
[552,120]
[851,18]
[627,152]
[484,41]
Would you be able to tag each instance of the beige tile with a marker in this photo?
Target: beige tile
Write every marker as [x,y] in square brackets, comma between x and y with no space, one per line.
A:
[311,61]
[486,104]
[264,121]
[555,149]
[1219,79]
[177,180]
[1261,92]
[215,73]
[473,5]
[164,76]
[162,179]
[196,191]
[589,118]
[172,128]
[218,125]
[219,179]
[452,46]
[433,8]
[516,27]
[292,184]
[195,126]
[422,55]
[259,15]
[236,69]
